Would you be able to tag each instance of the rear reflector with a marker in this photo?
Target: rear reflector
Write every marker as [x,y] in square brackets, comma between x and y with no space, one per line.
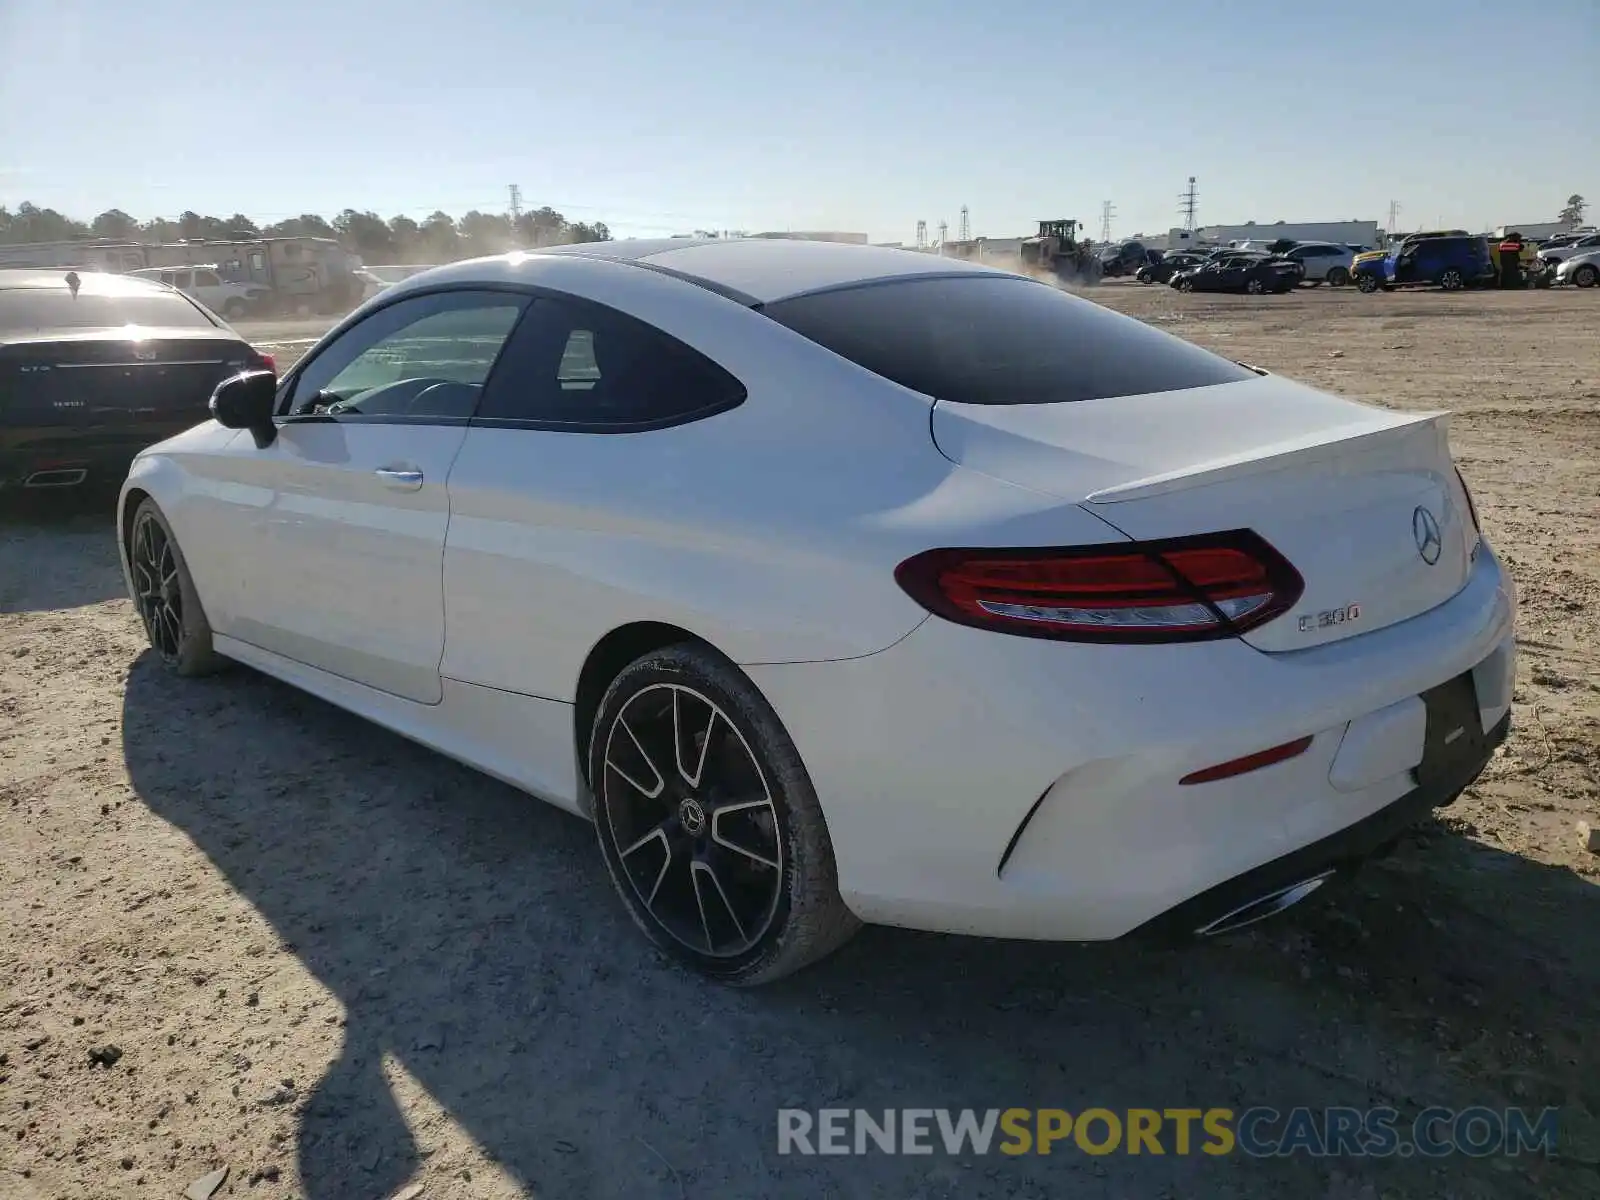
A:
[1181,589]
[1250,762]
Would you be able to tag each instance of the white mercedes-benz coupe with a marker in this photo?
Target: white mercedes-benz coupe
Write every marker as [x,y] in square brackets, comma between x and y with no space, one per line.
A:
[840,584]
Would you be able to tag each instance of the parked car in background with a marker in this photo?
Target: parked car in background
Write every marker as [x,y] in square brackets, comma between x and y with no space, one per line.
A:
[1169,265]
[1553,256]
[1556,240]
[234,301]
[94,367]
[1325,262]
[1451,263]
[1396,244]
[1250,273]
[1581,270]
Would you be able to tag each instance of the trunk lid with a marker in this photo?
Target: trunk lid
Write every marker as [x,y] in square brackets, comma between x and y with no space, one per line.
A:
[1358,498]
[104,377]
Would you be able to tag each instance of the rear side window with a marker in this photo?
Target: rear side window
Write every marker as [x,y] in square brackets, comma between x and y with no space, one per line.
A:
[999,340]
[575,365]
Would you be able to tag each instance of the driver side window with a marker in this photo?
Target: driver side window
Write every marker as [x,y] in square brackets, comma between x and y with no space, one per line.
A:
[422,359]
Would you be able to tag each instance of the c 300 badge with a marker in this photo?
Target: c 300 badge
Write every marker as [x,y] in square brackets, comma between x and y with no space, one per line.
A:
[1312,622]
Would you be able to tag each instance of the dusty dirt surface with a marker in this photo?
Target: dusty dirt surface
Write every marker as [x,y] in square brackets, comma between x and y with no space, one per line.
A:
[341,966]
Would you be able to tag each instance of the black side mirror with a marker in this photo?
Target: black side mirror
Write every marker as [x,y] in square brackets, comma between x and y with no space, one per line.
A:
[246,401]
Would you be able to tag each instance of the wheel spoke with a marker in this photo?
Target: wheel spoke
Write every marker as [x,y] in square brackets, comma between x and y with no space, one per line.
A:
[649,793]
[658,834]
[691,778]
[722,839]
[696,870]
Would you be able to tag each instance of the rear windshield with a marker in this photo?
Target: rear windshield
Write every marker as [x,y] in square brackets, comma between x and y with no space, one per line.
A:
[999,340]
[35,310]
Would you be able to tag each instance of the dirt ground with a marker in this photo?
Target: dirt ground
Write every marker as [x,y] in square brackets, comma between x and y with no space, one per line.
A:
[340,965]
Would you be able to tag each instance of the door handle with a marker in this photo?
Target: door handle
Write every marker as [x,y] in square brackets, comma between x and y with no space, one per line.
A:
[402,479]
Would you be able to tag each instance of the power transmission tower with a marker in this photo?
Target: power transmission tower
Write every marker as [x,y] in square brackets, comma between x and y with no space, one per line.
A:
[965,234]
[944,232]
[922,235]
[1394,216]
[1107,211]
[1189,205]
[516,203]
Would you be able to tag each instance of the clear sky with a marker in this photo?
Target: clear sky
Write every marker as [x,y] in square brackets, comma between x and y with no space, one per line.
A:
[662,117]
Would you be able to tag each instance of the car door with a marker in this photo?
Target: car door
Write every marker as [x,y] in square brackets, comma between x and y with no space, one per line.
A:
[341,521]
[1407,264]
[572,477]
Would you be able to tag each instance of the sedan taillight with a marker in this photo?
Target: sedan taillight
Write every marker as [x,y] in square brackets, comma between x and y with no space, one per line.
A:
[1177,590]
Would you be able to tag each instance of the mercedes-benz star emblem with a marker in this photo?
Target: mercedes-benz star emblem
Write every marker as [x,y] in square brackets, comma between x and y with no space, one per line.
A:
[1425,528]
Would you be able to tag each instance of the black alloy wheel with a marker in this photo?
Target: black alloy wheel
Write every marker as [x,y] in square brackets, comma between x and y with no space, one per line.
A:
[155,585]
[164,594]
[1451,280]
[1254,287]
[708,823]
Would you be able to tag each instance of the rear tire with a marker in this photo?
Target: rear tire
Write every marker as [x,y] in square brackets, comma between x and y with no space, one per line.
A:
[1451,280]
[1338,277]
[1586,276]
[235,309]
[165,597]
[727,867]
[1254,287]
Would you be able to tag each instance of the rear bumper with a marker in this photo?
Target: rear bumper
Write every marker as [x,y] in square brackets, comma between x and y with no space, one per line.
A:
[1000,786]
[101,453]
[1336,853]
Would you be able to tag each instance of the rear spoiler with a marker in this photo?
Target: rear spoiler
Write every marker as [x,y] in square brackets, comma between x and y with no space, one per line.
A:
[1282,456]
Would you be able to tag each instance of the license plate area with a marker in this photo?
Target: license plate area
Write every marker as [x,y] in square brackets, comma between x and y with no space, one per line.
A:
[1454,746]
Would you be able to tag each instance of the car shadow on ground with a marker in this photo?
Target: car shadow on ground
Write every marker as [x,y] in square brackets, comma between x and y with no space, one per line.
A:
[471,935]
[59,549]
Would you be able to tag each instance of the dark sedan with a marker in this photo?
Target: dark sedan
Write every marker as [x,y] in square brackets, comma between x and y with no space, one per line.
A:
[1250,273]
[1163,270]
[95,367]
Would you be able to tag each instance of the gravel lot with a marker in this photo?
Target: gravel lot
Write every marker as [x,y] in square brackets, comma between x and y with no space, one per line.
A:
[338,964]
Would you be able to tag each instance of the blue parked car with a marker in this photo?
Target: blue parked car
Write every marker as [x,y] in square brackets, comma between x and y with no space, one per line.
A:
[1452,263]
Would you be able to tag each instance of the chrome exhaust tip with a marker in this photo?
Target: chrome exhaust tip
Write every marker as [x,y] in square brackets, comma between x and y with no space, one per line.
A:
[1263,907]
[62,477]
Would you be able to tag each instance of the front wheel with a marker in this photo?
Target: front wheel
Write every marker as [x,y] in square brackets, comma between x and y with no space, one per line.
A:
[1338,277]
[1185,285]
[708,823]
[1586,276]
[164,594]
[1367,283]
[1452,280]
[1254,287]
[235,309]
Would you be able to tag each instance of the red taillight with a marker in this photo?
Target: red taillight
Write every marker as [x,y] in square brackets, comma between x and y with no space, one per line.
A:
[1250,762]
[267,362]
[1184,589]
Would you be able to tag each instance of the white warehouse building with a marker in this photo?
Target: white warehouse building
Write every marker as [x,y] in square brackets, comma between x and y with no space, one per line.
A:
[1354,233]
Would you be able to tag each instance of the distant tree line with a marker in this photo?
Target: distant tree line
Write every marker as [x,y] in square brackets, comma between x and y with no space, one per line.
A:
[438,238]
